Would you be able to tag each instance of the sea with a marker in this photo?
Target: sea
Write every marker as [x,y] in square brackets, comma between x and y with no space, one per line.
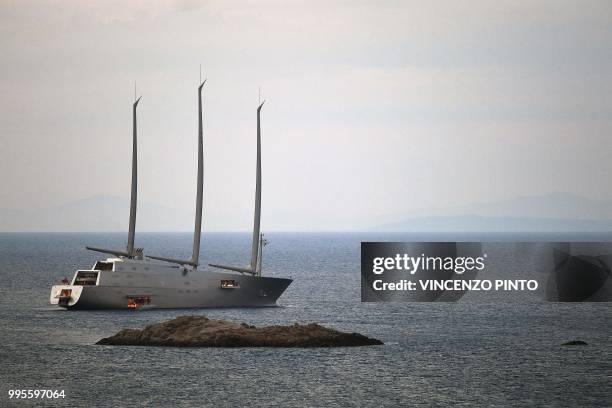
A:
[489,354]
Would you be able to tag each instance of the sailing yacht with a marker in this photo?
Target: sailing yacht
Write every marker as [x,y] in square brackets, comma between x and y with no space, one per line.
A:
[130,280]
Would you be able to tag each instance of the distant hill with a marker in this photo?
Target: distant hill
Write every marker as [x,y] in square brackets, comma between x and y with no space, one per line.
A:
[546,213]
[477,223]
[549,212]
[552,205]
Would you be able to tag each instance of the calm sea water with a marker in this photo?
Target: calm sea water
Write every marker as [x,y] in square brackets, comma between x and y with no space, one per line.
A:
[456,354]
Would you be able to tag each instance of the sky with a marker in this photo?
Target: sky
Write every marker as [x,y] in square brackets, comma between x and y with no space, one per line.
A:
[374,110]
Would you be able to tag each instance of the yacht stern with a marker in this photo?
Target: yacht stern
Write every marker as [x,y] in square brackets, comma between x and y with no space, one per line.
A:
[65,295]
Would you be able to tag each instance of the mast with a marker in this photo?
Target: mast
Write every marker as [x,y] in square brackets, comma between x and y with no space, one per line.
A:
[134,193]
[130,251]
[197,232]
[256,239]
[257,215]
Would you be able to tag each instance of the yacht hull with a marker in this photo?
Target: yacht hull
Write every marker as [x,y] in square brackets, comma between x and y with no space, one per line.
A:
[193,290]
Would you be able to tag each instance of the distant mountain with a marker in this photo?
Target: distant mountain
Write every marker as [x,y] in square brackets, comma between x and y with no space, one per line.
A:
[103,213]
[477,223]
[552,205]
[546,213]
[100,213]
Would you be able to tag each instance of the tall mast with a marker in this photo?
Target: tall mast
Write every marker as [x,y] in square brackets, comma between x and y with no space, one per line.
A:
[130,251]
[200,187]
[257,215]
[133,195]
[197,232]
[255,248]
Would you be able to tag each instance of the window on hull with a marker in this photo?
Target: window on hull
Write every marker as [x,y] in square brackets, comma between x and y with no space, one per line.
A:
[103,266]
[134,302]
[86,278]
[229,284]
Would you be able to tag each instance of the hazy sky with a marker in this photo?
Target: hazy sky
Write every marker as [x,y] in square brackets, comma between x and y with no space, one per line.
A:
[374,109]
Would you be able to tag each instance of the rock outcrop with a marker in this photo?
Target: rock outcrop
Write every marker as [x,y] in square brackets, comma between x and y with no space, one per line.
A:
[575,343]
[199,331]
